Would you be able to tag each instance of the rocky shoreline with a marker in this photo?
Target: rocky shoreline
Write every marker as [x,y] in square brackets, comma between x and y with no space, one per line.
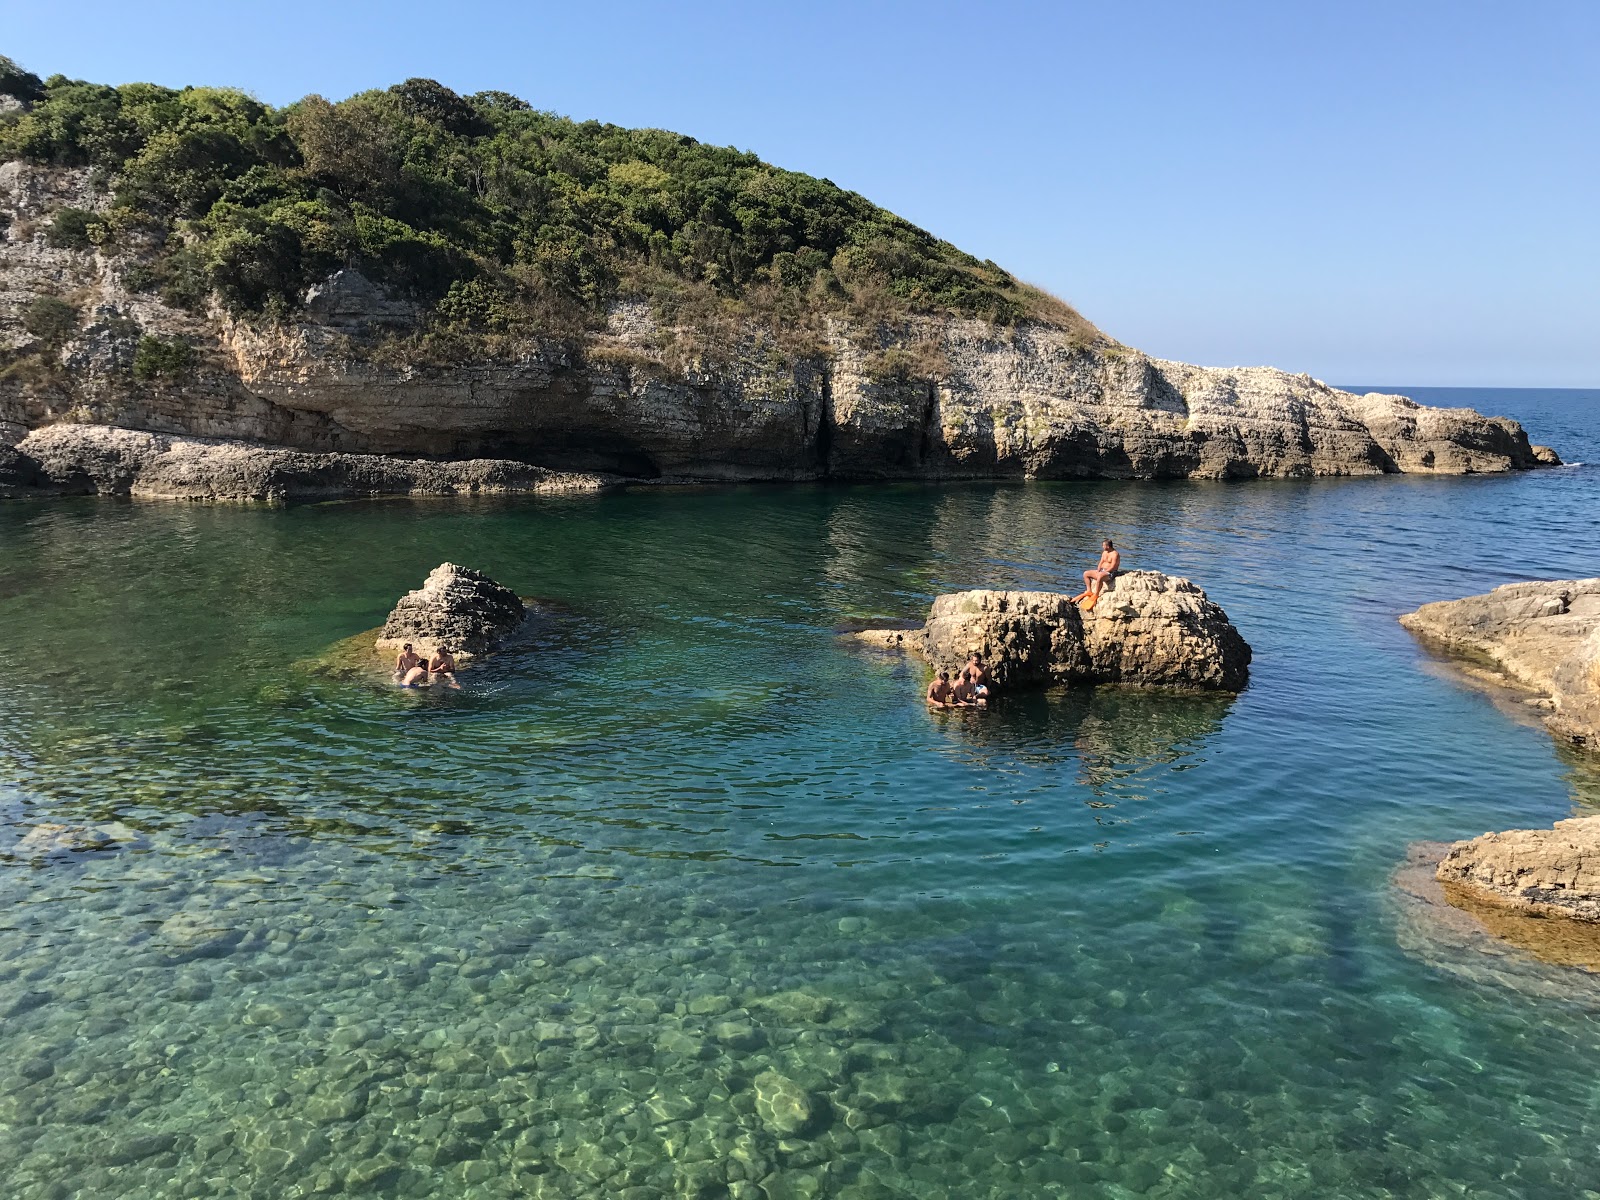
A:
[927,397]
[1540,637]
[80,460]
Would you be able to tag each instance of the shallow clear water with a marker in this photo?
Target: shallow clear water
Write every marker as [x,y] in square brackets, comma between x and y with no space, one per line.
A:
[696,901]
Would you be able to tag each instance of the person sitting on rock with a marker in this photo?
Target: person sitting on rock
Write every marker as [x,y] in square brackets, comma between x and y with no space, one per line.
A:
[1096,578]
[443,667]
[939,691]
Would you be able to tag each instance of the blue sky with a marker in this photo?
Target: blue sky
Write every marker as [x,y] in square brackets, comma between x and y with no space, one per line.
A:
[1397,192]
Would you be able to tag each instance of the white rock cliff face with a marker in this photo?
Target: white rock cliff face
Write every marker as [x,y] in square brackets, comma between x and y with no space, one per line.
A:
[1029,402]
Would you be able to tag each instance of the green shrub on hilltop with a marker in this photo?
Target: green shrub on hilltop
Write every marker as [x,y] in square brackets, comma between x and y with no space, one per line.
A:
[14,81]
[499,217]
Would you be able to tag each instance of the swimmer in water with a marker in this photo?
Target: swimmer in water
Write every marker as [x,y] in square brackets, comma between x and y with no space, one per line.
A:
[405,660]
[443,667]
[409,668]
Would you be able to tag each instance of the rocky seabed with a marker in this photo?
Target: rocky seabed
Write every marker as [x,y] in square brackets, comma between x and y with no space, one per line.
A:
[419,1023]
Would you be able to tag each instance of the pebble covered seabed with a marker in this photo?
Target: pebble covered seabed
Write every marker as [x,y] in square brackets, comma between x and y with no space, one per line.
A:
[694,900]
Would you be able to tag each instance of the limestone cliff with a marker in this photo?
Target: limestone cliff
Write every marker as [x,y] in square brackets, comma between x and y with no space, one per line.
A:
[924,398]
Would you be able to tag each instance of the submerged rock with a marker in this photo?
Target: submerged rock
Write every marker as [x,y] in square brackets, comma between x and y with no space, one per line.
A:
[43,841]
[785,1108]
[455,607]
[1148,628]
[1536,637]
[1541,872]
[192,933]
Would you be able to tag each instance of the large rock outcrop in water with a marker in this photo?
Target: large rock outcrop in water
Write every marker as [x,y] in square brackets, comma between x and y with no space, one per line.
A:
[1148,628]
[973,401]
[1541,637]
[456,607]
[1540,872]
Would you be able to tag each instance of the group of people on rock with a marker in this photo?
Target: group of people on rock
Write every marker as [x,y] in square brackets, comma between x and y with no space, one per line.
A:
[412,670]
[973,687]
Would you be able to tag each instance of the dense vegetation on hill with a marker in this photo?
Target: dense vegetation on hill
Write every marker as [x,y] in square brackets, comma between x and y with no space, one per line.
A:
[499,218]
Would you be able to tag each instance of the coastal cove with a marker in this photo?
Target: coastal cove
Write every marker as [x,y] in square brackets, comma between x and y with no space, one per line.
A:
[694,898]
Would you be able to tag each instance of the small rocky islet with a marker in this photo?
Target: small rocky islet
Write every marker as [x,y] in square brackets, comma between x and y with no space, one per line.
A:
[458,609]
[1147,628]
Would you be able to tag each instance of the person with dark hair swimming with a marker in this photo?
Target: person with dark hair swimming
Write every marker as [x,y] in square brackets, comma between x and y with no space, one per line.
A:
[409,668]
[443,667]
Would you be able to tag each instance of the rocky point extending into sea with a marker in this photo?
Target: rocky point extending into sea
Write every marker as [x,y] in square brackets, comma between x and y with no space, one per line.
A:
[976,400]
[1539,638]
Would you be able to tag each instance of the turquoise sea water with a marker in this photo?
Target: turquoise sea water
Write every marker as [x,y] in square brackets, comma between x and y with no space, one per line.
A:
[693,900]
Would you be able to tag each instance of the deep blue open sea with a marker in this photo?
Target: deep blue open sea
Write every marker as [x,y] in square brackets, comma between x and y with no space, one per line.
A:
[694,900]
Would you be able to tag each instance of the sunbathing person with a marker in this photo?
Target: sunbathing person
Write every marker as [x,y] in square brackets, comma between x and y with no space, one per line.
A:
[1096,578]
[964,694]
[939,691]
[978,673]
[443,667]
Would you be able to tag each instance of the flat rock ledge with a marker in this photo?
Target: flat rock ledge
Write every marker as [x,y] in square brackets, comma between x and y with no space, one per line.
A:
[1148,628]
[79,460]
[1539,872]
[1538,637]
[455,607]
[1453,928]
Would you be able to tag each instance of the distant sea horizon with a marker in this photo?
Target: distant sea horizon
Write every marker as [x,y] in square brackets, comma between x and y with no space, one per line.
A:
[1407,389]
